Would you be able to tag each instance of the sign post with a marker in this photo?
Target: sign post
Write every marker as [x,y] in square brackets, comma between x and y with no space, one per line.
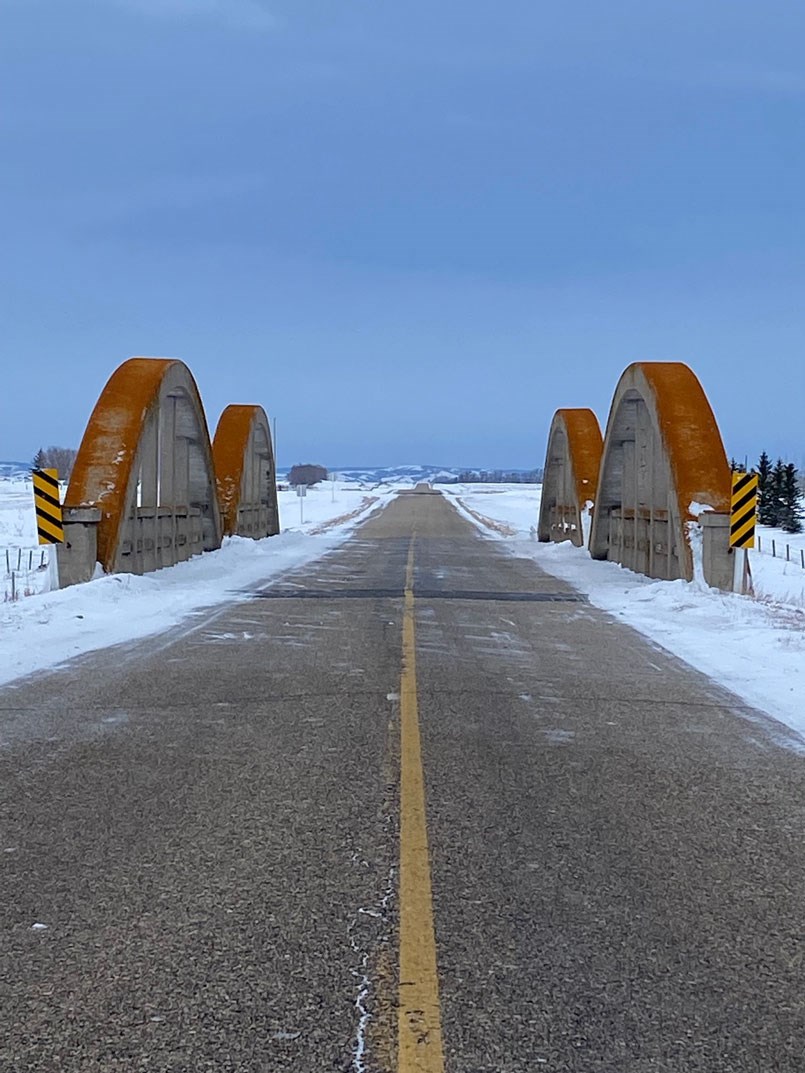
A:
[743,520]
[49,521]
[301,491]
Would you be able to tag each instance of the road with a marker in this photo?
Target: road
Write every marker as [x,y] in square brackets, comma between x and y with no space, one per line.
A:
[419,750]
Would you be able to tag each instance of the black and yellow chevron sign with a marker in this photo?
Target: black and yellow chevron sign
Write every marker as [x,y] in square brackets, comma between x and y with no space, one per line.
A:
[49,523]
[743,515]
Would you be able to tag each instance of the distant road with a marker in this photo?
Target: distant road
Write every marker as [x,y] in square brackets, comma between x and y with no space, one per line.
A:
[218,846]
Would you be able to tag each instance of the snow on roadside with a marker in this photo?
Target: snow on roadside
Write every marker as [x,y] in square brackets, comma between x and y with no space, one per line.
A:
[45,630]
[756,648]
[515,506]
[774,578]
[23,564]
[323,503]
[777,581]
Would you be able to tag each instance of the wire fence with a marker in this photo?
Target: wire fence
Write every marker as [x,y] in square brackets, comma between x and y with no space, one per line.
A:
[25,572]
[789,555]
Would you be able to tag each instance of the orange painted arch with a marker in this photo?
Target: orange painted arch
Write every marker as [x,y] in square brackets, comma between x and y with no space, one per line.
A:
[689,438]
[105,466]
[232,437]
[688,430]
[581,435]
[585,444]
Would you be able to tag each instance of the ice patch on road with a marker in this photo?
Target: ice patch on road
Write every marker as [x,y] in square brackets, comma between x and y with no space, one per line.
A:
[559,737]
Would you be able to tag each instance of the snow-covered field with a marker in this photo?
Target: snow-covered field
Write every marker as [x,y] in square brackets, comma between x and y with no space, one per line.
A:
[47,629]
[777,578]
[755,647]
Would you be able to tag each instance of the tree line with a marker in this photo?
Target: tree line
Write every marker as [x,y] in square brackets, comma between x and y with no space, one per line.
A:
[306,473]
[63,459]
[779,494]
[58,458]
[497,476]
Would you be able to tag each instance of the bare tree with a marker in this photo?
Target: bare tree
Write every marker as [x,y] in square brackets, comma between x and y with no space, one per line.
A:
[58,458]
[307,473]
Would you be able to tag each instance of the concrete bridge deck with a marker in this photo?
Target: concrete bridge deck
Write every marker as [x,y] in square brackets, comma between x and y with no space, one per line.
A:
[208,825]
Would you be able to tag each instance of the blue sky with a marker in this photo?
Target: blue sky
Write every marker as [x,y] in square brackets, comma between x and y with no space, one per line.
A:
[410,231]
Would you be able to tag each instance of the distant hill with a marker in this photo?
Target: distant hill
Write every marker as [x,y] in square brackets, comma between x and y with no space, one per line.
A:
[365,474]
[395,474]
[14,469]
[373,475]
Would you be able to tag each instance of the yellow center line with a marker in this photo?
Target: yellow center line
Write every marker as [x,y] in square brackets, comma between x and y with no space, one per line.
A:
[420,1025]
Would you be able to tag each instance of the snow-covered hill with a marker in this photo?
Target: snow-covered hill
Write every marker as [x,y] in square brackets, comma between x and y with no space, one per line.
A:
[14,469]
[368,475]
[396,474]
[373,475]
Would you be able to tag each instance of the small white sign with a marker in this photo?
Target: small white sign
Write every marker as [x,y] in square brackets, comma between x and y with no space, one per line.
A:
[301,490]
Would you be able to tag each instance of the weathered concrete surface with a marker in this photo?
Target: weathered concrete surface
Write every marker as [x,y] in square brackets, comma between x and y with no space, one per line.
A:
[570,482]
[78,555]
[663,458]
[718,560]
[617,854]
[145,461]
[245,473]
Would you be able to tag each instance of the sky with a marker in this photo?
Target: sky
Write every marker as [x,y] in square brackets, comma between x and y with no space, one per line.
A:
[411,231]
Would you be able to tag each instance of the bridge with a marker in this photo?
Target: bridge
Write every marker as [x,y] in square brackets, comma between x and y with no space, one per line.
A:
[149,489]
[660,470]
[416,807]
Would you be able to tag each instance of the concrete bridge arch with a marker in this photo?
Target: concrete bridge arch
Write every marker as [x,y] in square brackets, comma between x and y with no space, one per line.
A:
[570,476]
[245,472]
[662,455]
[145,464]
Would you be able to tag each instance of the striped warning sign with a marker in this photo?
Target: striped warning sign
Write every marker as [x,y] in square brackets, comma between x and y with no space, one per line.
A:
[743,515]
[49,524]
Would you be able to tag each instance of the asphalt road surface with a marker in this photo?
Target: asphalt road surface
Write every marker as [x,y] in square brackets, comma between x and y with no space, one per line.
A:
[214,853]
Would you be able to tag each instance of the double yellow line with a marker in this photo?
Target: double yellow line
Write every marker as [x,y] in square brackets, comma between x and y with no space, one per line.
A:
[420,1047]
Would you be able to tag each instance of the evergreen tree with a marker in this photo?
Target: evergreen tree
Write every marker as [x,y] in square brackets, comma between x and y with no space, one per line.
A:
[764,471]
[776,487]
[791,504]
[58,458]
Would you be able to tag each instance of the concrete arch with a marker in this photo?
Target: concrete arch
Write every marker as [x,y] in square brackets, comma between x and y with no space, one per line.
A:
[246,473]
[570,476]
[662,453]
[146,463]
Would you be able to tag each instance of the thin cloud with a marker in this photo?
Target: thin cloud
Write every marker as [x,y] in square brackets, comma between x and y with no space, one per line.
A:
[248,14]
[763,80]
